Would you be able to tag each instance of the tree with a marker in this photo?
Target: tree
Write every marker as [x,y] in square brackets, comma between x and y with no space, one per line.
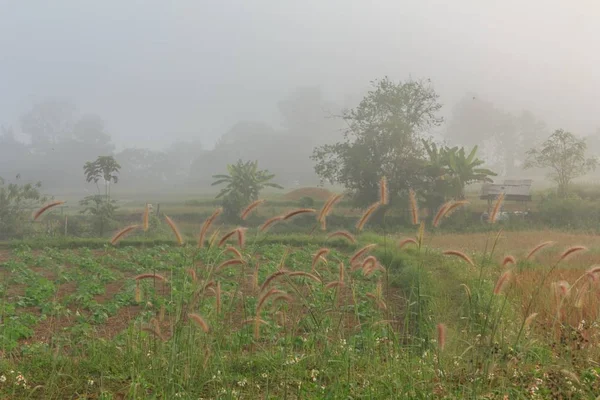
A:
[16,202]
[564,154]
[244,183]
[382,139]
[47,122]
[105,167]
[450,170]
[101,207]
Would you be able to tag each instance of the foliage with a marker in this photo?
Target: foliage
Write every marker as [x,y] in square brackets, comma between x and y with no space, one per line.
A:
[564,154]
[102,211]
[104,167]
[101,207]
[382,139]
[451,170]
[17,201]
[243,185]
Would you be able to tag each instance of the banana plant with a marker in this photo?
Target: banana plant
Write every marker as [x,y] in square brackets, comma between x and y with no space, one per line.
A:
[244,182]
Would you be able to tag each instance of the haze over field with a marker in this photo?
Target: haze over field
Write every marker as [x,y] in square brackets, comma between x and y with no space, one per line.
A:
[157,72]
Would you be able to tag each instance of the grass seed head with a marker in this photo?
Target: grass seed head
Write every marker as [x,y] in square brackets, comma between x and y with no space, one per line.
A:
[45,208]
[251,207]
[174,229]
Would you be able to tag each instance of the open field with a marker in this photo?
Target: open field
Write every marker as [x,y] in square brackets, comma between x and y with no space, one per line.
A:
[78,324]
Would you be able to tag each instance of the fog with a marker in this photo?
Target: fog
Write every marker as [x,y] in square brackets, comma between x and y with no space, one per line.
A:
[157,72]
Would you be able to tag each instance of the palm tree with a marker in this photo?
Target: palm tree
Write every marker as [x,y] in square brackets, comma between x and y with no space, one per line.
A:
[105,167]
[244,183]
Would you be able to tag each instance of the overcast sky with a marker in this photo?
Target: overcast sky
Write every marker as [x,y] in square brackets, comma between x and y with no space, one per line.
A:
[180,69]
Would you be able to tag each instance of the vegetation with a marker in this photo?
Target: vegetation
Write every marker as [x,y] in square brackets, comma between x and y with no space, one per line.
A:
[382,139]
[244,183]
[450,170]
[100,206]
[273,307]
[564,154]
[17,201]
[319,316]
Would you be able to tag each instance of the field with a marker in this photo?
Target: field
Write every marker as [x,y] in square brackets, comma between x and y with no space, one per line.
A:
[303,316]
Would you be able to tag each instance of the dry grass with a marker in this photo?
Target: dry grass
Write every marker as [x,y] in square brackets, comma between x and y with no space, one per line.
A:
[520,243]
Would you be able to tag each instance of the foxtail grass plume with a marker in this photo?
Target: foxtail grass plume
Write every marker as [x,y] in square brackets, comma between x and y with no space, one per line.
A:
[508,260]
[593,272]
[441,333]
[206,225]
[538,248]
[272,277]
[414,208]
[151,276]
[320,254]
[192,273]
[146,218]
[265,296]
[502,281]
[440,213]
[200,321]
[361,252]
[236,252]
[383,191]
[453,206]
[306,275]
[227,263]
[404,242]
[571,250]
[298,212]
[459,254]
[270,222]
[344,234]
[174,229]
[326,210]
[530,319]
[494,214]
[365,217]
[226,237]
[241,235]
[122,233]
[251,208]
[561,288]
[45,208]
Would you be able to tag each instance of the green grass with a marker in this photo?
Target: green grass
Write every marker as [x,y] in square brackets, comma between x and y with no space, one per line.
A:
[72,325]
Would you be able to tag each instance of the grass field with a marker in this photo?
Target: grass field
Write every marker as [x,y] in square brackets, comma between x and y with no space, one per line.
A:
[271,320]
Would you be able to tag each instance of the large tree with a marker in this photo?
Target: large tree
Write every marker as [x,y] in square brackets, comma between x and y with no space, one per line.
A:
[382,139]
[565,155]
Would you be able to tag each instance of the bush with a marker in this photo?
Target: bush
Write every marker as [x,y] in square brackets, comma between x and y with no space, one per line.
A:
[306,202]
[568,213]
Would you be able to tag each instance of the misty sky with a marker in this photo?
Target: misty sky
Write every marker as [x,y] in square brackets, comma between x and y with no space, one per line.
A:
[163,70]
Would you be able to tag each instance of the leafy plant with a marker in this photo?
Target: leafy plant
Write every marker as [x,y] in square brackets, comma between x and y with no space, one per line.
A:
[451,170]
[15,202]
[101,210]
[244,182]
